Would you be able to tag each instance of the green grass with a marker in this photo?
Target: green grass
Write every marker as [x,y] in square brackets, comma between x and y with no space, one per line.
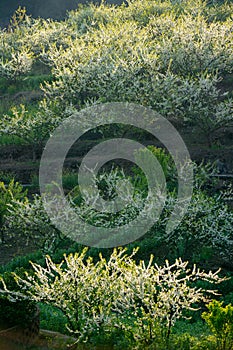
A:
[69,180]
[10,140]
[32,81]
[28,83]
[195,329]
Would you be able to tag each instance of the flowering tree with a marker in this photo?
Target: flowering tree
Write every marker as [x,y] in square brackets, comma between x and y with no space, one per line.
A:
[157,296]
[118,293]
[208,221]
[170,57]
[18,64]
[32,127]
[123,60]
[16,56]
[29,219]
[206,227]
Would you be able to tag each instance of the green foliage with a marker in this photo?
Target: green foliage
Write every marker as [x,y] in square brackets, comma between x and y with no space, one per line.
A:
[205,231]
[21,262]
[187,342]
[220,321]
[6,176]
[16,56]
[52,318]
[164,159]
[22,123]
[69,180]
[16,313]
[8,195]
[29,219]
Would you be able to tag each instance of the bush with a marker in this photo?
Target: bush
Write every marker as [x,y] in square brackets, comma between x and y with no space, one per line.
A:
[141,300]
[29,219]
[220,322]
[21,122]
[205,231]
[8,195]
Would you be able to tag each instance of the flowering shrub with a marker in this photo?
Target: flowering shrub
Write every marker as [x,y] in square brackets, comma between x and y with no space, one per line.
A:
[16,56]
[170,64]
[92,17]
[166,55]
[31,126]
[208,222]
[189,45]
[8,195]
[118,293]
[17,64]
[29,219]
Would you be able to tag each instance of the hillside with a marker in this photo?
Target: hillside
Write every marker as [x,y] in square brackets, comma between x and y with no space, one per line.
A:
[116,130]
[174,58]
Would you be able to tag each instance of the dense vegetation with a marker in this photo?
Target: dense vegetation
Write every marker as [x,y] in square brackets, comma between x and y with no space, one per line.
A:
[175,57]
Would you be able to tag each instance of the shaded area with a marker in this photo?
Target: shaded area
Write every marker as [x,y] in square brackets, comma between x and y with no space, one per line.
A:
[48,340]
[55,9]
